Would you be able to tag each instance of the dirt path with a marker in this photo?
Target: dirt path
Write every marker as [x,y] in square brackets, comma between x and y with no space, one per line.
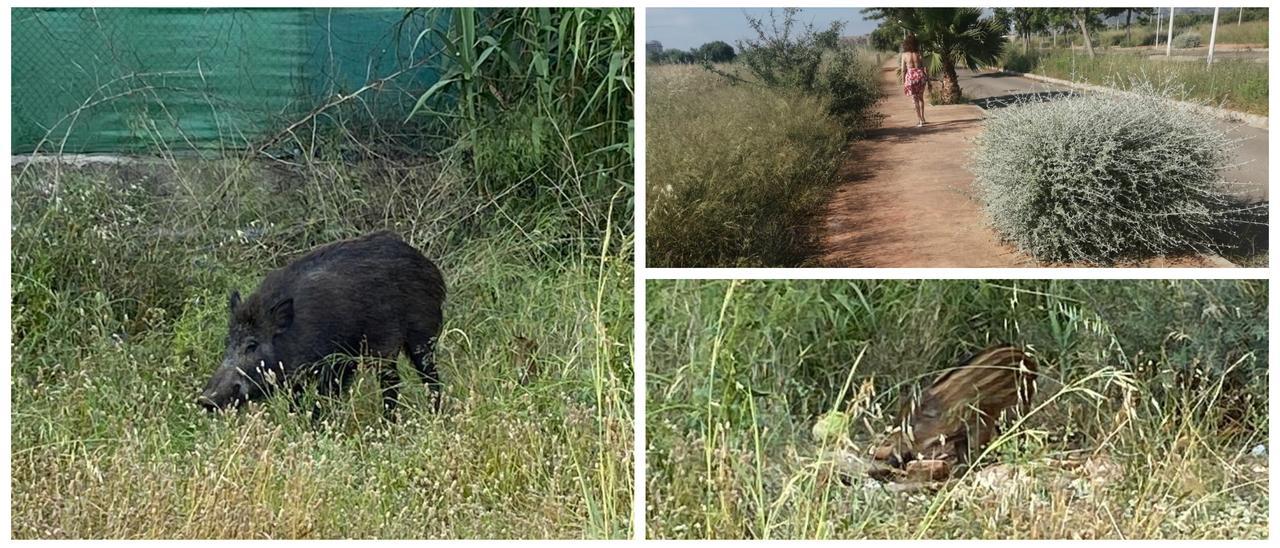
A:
[906,200]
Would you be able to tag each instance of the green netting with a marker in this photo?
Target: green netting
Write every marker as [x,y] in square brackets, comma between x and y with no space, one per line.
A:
[127,80]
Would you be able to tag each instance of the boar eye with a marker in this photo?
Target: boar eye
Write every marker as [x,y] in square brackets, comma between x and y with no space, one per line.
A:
[251,346]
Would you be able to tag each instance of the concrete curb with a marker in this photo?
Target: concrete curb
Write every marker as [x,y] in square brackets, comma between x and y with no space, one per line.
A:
[1251,120]
[1217,261]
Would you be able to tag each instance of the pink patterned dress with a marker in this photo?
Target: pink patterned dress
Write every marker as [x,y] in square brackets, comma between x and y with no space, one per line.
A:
[914,82]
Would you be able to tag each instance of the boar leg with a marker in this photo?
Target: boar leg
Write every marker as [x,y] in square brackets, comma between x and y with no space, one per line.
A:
[390,380]
[333,378]
[421,351]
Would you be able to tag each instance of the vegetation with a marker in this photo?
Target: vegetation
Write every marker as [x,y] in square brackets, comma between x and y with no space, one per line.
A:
[734,171]
[801,60]
[1138,26]
[1127,39]
[741,156]
[716,52]
[1186,40]
[1227,16]
[1254,32]
[710,52]
[1233,84]
[1166,380]
[1103,177]
[671,56]
[120,277]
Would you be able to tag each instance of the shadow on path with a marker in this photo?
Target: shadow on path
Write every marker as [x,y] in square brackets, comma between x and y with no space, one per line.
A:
[989,103]
[906,196]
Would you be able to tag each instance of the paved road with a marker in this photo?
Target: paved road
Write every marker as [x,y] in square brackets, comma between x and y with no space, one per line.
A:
[1252,154]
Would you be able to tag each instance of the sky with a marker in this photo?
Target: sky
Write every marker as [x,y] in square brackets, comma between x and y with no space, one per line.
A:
[687,28]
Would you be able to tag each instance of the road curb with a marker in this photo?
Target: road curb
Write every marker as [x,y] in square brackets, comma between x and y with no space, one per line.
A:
[1217,261]
[1251,120]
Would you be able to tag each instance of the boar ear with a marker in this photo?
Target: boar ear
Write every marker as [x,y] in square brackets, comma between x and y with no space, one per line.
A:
[282,315]
[233,301]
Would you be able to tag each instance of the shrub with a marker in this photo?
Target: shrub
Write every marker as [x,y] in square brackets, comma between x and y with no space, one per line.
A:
[785,54]
[1103,177]
[715,52]
[1186,40]
[850,79]
[1017,61]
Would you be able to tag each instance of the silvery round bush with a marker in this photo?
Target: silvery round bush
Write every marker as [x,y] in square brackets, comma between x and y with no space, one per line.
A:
[1187,40]
[1103,177]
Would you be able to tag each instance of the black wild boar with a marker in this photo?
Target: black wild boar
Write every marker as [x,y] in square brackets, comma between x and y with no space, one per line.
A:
[369,296]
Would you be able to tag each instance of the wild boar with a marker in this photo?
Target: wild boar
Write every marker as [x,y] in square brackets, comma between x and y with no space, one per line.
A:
[959,414]
[309,322]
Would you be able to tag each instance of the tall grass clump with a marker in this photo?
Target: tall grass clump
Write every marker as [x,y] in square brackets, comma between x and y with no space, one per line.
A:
[742,155]
[1166,381]
[535,97]
[1103,177]
[734,171]
[120,279]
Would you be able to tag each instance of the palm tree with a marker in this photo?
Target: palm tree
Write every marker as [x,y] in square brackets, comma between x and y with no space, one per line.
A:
[950,37]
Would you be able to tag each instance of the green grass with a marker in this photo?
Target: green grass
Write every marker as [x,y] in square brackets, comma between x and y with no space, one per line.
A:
[1254,33]
[1232,84]
[1249,32]
[1166,379]
[120,283]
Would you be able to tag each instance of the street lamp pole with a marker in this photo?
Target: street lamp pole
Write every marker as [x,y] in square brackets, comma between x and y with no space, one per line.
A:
[1213,35]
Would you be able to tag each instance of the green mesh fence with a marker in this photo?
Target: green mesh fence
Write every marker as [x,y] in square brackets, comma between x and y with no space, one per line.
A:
[131,80]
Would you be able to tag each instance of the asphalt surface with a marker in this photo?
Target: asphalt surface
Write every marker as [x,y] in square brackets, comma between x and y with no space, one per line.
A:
[988,90]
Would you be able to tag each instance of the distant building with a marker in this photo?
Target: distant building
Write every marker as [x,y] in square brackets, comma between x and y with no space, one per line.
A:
[653,47]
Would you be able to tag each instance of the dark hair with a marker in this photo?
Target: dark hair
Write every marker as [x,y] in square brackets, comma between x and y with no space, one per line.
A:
[910,44]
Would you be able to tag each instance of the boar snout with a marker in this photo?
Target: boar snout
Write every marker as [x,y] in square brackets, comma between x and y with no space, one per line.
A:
[225,389]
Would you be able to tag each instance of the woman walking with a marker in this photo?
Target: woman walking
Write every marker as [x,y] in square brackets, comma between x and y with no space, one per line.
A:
[913,75]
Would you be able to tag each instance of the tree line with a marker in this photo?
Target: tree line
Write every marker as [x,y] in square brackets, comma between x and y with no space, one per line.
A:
[1055,22]
[711,52]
